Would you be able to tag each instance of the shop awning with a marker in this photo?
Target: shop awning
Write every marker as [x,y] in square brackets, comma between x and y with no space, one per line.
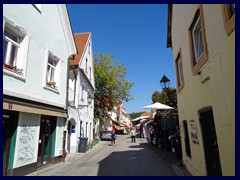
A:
[117,127]
[127,126]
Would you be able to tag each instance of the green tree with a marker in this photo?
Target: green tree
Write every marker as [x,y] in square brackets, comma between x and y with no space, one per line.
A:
[135,114]
[168,97]
[110,84]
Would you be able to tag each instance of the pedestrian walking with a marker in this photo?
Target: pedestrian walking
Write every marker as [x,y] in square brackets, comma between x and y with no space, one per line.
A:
[133,134]
[113,137]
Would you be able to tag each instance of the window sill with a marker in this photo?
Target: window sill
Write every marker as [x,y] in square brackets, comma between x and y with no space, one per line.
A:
[51,89]
[14,74]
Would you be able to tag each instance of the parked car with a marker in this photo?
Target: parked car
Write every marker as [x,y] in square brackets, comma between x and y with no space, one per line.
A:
[106,135]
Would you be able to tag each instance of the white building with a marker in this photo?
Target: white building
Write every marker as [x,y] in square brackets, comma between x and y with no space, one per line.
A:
[81,93]
[37,44]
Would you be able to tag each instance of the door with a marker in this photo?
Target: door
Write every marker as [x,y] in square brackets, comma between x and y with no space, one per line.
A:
[10,121]
[210,143]
[69,136]
[47,127]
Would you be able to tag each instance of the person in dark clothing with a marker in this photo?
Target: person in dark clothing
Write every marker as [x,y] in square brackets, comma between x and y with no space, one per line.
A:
[113,137]
[177,144]
[158,125]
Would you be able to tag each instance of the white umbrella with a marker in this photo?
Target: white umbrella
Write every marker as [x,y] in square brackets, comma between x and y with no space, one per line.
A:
[157,105]
[139,118]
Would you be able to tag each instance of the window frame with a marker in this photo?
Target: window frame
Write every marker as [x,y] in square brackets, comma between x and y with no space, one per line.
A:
[56,79]
[89,48]
[18,67]
[82,89]
[178,60]
[228,19]
[197,64]
[86,68]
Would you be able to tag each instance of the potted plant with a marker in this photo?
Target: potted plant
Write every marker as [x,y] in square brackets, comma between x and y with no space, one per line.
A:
[9,67]
[52,84]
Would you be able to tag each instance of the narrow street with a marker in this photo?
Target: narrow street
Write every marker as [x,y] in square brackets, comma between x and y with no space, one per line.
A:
[122,159]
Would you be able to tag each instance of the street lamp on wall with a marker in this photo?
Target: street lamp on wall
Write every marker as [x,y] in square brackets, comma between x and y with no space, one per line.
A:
[89,100]
[165,82]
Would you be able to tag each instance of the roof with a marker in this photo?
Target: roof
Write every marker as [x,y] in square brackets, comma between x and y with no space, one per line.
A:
[128,116]
[81,40]
[146,114]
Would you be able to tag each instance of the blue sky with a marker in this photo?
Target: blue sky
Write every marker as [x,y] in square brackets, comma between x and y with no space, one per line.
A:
[136,34]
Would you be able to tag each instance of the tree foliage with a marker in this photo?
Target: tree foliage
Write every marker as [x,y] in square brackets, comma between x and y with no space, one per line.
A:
[135,114]
[110,83]
[168,97]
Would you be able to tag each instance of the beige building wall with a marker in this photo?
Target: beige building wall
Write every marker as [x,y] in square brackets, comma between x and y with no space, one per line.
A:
[217,92]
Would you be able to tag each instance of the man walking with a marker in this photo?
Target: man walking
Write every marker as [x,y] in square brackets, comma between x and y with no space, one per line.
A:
[113,137]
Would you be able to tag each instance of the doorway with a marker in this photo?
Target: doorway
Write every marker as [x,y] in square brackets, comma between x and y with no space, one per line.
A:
[69,136]
[211,151]
[10,122]
[47,128]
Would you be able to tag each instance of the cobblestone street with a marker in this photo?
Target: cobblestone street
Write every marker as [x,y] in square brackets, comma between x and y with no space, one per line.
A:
[122,159]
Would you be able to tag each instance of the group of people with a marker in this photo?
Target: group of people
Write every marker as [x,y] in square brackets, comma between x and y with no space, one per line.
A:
[166,137]
[132,134]
[158,134]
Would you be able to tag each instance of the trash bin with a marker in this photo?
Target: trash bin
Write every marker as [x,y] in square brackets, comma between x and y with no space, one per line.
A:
[82,145]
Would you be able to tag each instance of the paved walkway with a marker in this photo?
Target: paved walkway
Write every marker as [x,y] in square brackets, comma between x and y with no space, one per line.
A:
[121,159]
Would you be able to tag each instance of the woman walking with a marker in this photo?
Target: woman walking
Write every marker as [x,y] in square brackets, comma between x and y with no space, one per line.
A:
[133,134]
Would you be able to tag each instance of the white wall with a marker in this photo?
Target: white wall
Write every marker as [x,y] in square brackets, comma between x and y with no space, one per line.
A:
[46,33]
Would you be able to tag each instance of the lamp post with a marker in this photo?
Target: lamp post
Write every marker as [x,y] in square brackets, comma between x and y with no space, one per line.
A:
[165,82]
[89,100]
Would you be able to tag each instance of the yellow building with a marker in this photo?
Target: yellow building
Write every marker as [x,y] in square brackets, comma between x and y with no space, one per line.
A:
[202,38]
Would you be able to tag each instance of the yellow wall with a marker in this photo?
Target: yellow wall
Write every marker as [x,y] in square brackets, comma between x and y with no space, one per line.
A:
[218,92]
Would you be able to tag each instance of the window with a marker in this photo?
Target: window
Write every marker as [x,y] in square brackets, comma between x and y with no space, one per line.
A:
[179,71]
[90,73]
[52,75]
[186,139]
[86,69]
[15,45]
[198,47]
[229,17]
[82,92]
[11,44]
[89,48]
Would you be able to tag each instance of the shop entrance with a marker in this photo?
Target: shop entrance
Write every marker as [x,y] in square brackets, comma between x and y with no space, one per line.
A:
[47,128]
[210,143]
[10,122]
